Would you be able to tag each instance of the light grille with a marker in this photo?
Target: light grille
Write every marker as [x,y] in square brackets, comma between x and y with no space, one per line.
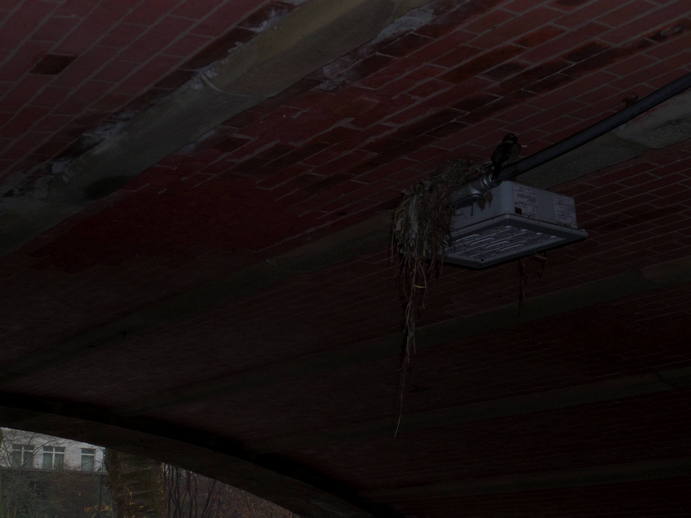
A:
[519,221]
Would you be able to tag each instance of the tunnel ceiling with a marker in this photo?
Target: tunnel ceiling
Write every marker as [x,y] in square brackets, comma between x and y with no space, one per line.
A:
[196,199]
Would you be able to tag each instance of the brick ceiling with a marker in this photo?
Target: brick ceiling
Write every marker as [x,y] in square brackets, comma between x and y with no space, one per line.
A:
[235,287]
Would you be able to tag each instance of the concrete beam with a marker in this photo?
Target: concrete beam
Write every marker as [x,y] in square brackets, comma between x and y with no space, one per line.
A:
[305,40]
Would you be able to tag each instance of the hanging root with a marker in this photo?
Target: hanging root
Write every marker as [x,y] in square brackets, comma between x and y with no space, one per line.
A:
[523,276]
[421,231]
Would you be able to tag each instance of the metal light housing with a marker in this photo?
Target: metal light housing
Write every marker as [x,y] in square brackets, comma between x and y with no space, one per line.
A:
[513,220]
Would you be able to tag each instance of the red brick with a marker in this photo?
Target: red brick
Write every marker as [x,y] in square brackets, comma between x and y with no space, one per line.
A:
[23,22]
[219,48]
[409,80]
[187,45]
[382,111]
[626,13]
[225,17]
[258,19]
[55,28]
[447,22]
[632,64]
[197,9]
[519,6]
[428,88]
[481,63]
[24,58]
[540,36]
[430,154]
[457,92]
[663,17]
[116,70]
[533,75]
[123,34]
[664,79]
[505,70]
[84,66]
[175,79]
[588,50]
[75,8]
[646,74]
[519,112]
[571,91]
[516,27]
[385,170]
[586,13]
[148,13]
[368,66]
[93,27]
[677,39]
[155,39]
[23,120]
[404,45]
[443,45]
[52,147]
[475,101]
[148,75]
[489,21]
[282,175]
[52,64]
[456,56]
[564,43]
[23,91]
[52,122]
[21,147]
[346,163]
[74,104]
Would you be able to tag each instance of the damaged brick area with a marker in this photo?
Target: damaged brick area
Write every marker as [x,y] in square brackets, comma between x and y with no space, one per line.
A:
[87,69]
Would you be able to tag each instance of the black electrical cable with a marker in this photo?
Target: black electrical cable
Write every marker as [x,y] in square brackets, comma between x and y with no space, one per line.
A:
[600,128]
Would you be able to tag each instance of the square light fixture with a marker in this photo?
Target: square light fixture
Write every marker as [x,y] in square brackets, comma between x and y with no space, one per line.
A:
[516,220]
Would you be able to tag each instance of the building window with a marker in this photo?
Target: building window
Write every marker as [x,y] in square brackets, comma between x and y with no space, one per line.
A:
[22,456]
[53,457]
[88,459]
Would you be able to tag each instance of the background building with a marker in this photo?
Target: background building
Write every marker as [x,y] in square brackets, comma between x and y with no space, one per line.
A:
[44,476]
[28,450]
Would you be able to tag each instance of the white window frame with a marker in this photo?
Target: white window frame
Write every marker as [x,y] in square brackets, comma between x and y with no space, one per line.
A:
[89,453]
[51,454]
[26,456]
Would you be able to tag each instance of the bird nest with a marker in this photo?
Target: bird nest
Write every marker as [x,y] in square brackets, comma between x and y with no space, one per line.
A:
[420,236]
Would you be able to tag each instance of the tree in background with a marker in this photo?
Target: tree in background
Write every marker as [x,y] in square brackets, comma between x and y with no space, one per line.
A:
[136,485]
[190,495]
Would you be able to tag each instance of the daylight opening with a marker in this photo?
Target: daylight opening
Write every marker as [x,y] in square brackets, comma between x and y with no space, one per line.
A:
[43,476]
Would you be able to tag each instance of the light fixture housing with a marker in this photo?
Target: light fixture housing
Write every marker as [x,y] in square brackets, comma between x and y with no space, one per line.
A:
[515,220]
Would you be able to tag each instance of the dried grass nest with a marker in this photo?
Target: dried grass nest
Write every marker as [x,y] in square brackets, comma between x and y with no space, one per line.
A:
[420,235]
